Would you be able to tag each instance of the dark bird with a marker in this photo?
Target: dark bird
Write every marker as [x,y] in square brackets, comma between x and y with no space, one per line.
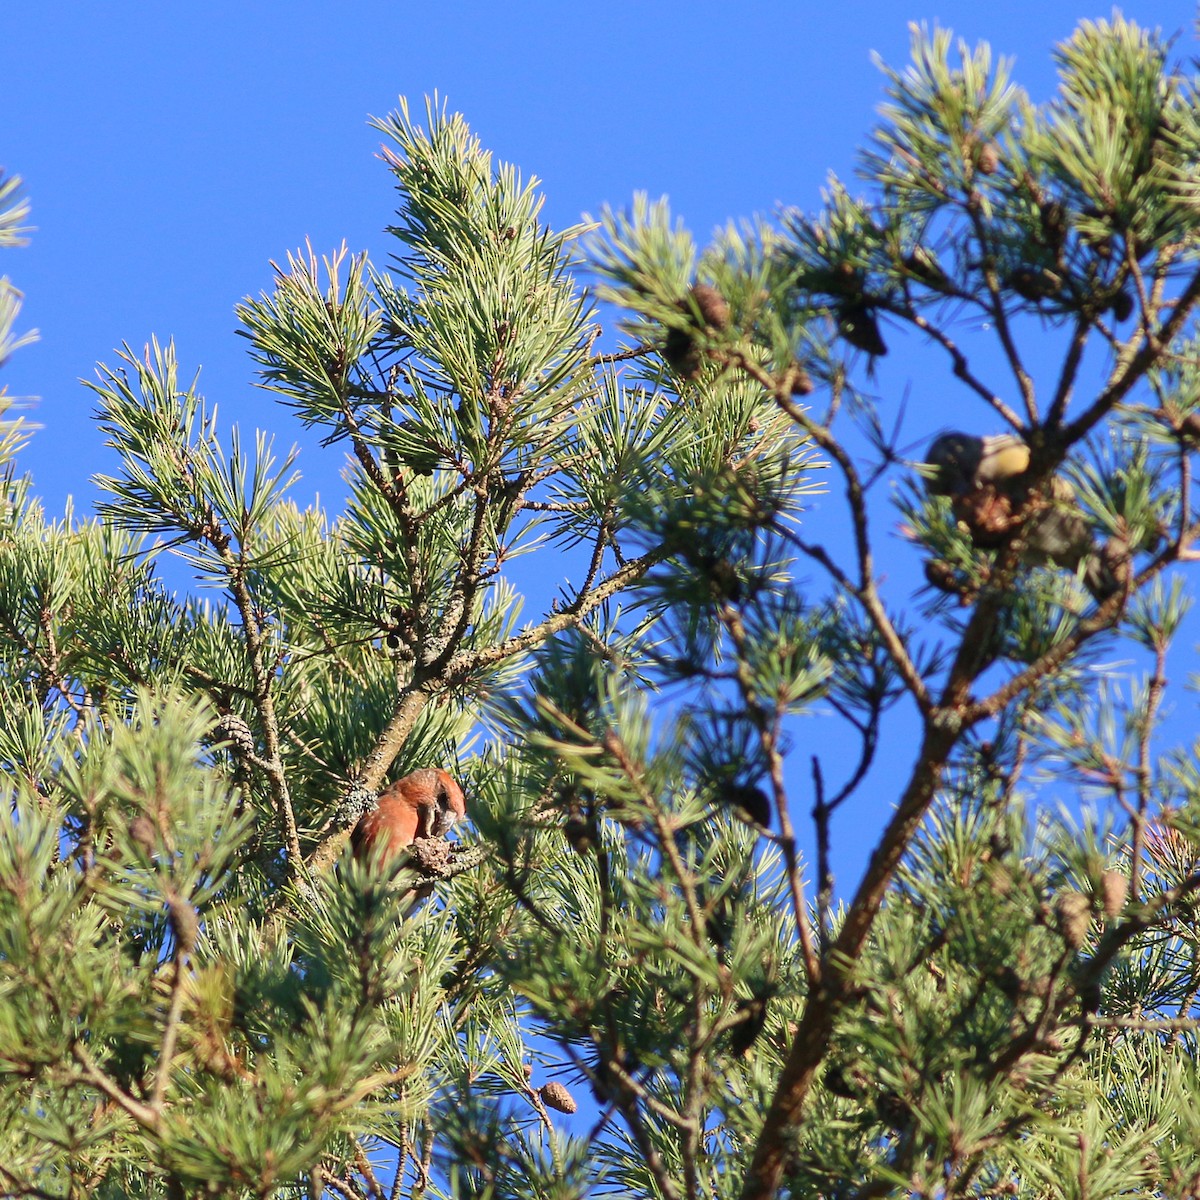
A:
[985,479]
[963,462]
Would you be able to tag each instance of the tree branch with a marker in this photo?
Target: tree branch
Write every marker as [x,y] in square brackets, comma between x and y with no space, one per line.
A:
[467,662]
[143,1114]
[865,591]
[812,1040]
[962,370]
[1126,374]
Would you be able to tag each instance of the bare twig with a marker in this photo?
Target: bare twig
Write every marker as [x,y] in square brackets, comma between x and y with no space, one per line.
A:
[865,590]
[1066,378]
[362,1165]
[145,1115]
[599,360]
[403,1149]
[1154,695]
[343,1187]
[821,813]
[1145,1024]
[995,310]
[962,370]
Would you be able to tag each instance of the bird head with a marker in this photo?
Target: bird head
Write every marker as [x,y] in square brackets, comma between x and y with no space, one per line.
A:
[449,803]
[952,461]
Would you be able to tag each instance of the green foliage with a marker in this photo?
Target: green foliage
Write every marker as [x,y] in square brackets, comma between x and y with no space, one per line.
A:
[14,208]
[201,993]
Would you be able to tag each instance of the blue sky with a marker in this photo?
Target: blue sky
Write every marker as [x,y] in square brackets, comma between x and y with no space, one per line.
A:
[170,151]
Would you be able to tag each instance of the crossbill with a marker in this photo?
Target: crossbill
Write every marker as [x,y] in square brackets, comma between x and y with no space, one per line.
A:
[425,803]
[984,477]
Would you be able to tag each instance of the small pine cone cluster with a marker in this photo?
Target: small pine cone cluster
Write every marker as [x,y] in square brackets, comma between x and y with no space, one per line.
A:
[712,306]
[988,161]
[433,856]
[680,348]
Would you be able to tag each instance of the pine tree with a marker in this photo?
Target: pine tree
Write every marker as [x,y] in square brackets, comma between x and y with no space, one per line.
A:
[14,209]
[202,993]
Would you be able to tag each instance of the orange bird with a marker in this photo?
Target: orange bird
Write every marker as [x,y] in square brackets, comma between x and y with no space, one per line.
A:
[425,803]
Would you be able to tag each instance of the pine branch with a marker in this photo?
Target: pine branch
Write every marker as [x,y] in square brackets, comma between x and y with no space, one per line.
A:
[1127,373]
[166,1053]
[767,725]
[373,769]
[865,589]
[144,1114]
[1070,369]
[811,1043]
[263,674]
[962,370]
[997,312]
[1145,1024]
[468,662]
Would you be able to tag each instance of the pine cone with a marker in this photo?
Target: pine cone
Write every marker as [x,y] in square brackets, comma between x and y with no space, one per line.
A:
[1054,223]
[943,576]
[1122,306]
[185,924]
[679,347]
[1074,912]
[144,834]
[579,829]
[857,324]
[753,1010]
[1114,889]
[1189,428]
[923,265]
[681,354]
[1034,283]
[713,307]
[750,802]
[555,1096]
[233,729]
